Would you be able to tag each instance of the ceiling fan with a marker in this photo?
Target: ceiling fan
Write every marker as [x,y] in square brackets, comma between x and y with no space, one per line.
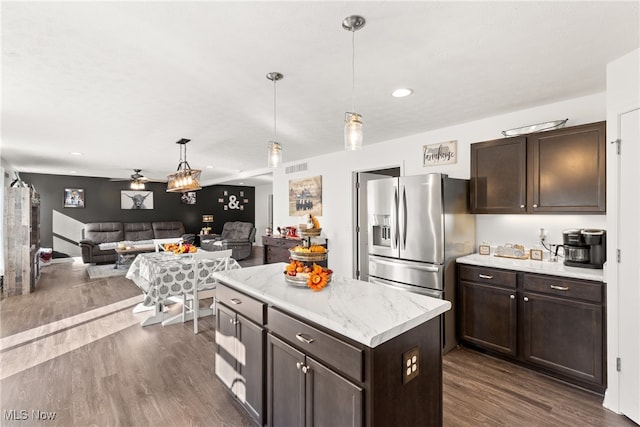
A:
[137,180]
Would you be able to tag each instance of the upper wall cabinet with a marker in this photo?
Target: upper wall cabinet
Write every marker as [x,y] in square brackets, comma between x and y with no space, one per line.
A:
[559,171]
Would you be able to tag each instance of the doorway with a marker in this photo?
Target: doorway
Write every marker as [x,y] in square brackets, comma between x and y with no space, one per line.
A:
[361,234]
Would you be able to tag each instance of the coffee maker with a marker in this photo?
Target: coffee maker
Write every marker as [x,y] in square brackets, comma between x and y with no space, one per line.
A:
[584,247]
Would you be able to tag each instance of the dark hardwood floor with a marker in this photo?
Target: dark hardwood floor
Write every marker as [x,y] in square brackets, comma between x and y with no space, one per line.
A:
[113,372]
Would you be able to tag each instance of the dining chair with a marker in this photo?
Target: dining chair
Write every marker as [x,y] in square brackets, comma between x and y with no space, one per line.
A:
[206,263]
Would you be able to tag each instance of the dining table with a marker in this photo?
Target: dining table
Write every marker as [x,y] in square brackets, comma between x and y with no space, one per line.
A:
[165,278]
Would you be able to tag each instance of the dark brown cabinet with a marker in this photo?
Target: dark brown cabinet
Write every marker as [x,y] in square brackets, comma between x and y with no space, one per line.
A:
[563,327]
[488,306]
[240,349]
[498,176]
[276,249]
[562,170]
[303,391]
[552,324]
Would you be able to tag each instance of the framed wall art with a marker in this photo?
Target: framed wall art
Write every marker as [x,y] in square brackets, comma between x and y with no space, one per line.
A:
[188,198]
[305,196]
[442,153]
[74,198]
[136,199]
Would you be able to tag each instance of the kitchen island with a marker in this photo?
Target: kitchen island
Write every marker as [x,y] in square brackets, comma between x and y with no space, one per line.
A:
[353,353]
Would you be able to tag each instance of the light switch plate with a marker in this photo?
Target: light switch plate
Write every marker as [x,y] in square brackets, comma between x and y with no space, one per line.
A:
[410,364]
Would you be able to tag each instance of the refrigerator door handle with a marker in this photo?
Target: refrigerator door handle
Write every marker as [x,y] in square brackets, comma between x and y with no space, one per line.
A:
[394,220]
[404,217]
[426,267]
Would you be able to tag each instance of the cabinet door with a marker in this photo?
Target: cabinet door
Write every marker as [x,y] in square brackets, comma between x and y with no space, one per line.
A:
[498,176]
[488,317]
[567,170]
[226,343]
[564,336]
[331,399]
[250,356]
[285,384]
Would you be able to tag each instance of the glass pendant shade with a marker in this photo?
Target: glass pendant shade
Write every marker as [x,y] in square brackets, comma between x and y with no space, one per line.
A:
[185,178]
[353,131]
[274,154]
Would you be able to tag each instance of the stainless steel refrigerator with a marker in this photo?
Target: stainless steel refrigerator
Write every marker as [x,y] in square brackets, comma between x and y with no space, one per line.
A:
[417,227]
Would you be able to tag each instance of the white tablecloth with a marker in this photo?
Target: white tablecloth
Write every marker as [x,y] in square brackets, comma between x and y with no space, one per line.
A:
[163,274]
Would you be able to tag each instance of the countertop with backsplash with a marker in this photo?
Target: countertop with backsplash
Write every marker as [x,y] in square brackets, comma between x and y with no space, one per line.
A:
[541,267]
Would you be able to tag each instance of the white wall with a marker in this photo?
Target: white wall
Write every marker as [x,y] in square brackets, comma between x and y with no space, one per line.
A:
[337,168]
[623,94]
[262,193]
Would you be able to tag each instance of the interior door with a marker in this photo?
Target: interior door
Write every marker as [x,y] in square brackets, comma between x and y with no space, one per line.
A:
[628,276]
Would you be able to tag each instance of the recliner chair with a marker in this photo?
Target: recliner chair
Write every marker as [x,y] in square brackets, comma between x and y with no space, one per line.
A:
[236,235]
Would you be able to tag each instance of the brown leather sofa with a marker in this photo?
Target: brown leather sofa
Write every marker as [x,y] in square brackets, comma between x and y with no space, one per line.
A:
[96,233]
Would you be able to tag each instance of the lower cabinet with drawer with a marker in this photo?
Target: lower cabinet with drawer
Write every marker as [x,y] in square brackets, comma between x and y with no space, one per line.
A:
[302,390]
[240,348]
[550,323]
[289,371]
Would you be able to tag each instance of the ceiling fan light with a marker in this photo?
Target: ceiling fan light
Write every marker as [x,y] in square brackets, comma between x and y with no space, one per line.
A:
[353,131]
[274,154]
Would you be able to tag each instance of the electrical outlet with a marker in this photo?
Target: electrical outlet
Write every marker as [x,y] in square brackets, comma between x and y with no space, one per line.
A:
[410,364]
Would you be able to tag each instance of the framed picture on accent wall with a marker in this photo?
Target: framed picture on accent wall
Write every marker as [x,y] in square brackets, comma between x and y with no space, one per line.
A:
[74,198]
[188,198]
[136,199]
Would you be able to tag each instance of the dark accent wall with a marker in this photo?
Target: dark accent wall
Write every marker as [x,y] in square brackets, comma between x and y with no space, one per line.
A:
[102,203]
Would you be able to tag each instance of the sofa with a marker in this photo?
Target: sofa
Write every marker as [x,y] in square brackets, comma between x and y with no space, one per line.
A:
[99,239]
[236,235]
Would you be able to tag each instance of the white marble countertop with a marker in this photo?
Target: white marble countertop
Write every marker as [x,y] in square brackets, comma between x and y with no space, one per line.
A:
[540,267]
[367,313]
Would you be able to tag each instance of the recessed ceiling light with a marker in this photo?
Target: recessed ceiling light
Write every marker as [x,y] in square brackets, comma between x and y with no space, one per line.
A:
[209,166]
[402,92]
[76,153]
[241,183]
[73,172]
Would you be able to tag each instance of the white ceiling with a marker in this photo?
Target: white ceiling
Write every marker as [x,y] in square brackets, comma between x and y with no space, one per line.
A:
[121,82]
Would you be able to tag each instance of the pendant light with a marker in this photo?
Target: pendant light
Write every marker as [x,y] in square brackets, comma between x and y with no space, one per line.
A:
[274,149]
[353,120]
[185,178]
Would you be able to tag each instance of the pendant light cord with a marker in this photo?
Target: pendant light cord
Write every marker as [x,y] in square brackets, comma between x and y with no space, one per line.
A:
[353,71]
[275,134]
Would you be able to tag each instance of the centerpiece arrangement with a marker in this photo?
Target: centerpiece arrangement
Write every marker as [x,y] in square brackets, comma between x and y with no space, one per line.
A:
[180,248]
[303,270]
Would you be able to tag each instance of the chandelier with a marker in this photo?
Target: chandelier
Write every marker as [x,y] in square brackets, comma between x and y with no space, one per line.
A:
[185,178]
[274,149]
[352,120]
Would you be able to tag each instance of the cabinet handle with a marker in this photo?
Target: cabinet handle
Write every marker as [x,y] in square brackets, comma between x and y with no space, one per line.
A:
[559,288]
[526,299]
[512,296]
[233,321]
[535,205]
[235,301]
[485,276]
[305,369]
[304,339]
[521,206]
[298,365]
